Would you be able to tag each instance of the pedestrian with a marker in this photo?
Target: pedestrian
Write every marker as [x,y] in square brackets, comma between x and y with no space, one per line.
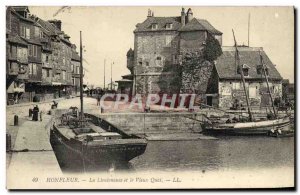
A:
[35,116]
[98,100]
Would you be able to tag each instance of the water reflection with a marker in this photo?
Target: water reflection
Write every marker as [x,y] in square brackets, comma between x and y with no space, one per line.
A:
[226,153]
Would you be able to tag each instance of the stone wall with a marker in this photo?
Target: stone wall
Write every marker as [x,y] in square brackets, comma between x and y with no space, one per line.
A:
[257,91]
[154,123]
[155,58]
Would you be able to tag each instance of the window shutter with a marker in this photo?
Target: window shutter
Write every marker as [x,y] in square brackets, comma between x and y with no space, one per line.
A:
[30,50]
[27,33]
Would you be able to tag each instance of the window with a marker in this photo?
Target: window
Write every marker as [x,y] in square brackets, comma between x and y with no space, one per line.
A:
[22,31]
[169,26]
[158,58]
[147,63]
[154,26]
[77,70]
[246,72]
[48,73]
[30,50]
[32,69]
[267,71]
[168,40]
[236,85]
[72,67]
[47,58]
[34,50]
[64,75]
[252,92]
[259,69]
[27,33]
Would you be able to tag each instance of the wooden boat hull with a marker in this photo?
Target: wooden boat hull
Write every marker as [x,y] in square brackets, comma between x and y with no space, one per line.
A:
[74,155]
[248,128]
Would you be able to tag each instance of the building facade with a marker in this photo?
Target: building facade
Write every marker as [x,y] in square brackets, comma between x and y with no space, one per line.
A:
[169,57]
[38,58]
[225,84]
[160,44]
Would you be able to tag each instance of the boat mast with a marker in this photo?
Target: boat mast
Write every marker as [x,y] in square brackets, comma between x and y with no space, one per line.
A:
[81,81]
[267,80]
[237,58]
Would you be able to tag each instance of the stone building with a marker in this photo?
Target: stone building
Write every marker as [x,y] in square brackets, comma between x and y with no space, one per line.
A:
[226,87]
[24,65]
[38,57]
[288,91]
[75,68]
[160,43]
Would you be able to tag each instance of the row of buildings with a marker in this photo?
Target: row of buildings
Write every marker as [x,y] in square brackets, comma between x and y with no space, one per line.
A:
[163,47]
[41,62]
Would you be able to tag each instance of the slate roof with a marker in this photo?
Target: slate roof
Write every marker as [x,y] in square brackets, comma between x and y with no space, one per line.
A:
[14,9]
[75,56]
[20,8]
[50,28]
[199,24]
[226,68]
[161,22]
[194,25]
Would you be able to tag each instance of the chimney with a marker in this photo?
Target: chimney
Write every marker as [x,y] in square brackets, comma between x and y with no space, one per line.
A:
[57,23]
[183,17]
[189,15]
[149,13]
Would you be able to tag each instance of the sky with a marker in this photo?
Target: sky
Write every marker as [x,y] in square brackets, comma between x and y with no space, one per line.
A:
[107,33]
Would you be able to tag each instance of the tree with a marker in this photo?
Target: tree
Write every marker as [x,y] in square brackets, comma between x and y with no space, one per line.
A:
[212,49]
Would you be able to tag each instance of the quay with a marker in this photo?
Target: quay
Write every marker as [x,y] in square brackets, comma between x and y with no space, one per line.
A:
[31,155]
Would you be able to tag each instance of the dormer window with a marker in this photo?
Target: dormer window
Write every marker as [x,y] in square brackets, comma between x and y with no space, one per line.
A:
[154,26]
[169,26]
[246,72]
[245,69]
[260,70]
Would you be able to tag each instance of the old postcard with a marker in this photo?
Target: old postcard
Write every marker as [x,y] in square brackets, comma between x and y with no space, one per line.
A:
[149,97]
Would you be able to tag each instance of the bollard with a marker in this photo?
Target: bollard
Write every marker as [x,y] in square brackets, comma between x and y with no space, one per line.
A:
[16,120]
[30,112]
[8,142]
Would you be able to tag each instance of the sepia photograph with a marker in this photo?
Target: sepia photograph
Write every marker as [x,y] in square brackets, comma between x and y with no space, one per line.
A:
[150,97]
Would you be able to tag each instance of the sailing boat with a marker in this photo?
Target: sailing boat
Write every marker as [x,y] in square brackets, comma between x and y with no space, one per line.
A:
[87,144]
[273,125]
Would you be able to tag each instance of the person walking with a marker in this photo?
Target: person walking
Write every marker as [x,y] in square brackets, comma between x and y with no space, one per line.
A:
[35,116]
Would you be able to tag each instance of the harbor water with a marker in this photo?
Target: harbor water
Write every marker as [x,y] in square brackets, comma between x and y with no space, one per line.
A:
[224,154]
